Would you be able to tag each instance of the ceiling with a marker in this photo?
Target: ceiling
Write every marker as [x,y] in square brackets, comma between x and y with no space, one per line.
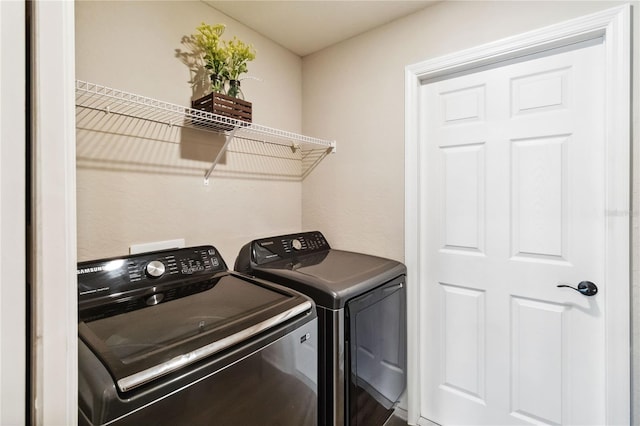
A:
[306,26]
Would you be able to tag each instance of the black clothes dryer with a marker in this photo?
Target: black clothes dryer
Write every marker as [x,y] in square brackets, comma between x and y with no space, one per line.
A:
[361,305]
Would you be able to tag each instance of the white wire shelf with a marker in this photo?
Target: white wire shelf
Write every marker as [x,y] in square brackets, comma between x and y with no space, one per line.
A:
[113,101]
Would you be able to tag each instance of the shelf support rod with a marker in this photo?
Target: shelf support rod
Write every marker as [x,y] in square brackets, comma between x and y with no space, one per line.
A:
[229,137]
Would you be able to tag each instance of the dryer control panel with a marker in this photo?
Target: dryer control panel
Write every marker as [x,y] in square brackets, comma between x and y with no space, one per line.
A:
[288,246]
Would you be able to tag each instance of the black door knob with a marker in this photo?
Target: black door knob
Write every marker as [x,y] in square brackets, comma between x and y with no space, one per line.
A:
[585,287]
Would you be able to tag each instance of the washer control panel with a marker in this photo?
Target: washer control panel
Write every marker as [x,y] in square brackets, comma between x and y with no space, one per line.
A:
[288,246]
[148,275]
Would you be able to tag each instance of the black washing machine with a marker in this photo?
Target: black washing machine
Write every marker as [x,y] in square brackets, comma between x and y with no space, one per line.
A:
[361,304]
[174,338]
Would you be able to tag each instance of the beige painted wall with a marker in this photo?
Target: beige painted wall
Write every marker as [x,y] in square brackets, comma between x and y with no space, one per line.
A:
[140,182]
[356,197]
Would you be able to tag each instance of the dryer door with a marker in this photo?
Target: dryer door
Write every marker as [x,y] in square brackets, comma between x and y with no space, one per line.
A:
[377,357]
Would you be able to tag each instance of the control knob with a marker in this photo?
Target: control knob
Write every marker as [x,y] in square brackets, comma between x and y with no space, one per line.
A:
[154,269]
[296,244]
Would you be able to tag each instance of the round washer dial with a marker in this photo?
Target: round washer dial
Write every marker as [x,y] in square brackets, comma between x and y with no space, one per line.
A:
[154,269]
[296,244]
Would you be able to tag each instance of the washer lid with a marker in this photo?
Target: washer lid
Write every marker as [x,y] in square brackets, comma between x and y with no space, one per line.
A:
[331,277]
[141,345]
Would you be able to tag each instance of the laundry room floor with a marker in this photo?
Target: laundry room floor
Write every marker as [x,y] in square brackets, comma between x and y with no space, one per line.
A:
[395,421]
[398,421]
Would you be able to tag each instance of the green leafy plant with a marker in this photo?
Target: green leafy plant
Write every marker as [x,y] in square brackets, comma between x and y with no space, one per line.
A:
[225,60]
[239,53]
[208,40]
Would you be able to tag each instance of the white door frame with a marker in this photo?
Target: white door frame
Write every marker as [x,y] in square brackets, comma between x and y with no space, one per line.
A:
[614,26]
[12,214]
[53,256]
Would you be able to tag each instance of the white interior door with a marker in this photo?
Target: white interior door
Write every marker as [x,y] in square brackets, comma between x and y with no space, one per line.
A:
[515,205]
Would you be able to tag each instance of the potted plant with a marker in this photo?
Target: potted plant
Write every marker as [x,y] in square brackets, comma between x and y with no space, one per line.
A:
[225,61]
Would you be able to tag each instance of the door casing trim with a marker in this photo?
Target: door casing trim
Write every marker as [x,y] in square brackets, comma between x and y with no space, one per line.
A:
[614,27]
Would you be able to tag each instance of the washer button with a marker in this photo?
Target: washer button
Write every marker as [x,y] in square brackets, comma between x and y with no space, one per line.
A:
[155,299]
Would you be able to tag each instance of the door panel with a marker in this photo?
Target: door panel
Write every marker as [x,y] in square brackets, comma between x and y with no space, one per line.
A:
[538,204]
[463,197]
[537,378]
[514,200]
[463,345]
